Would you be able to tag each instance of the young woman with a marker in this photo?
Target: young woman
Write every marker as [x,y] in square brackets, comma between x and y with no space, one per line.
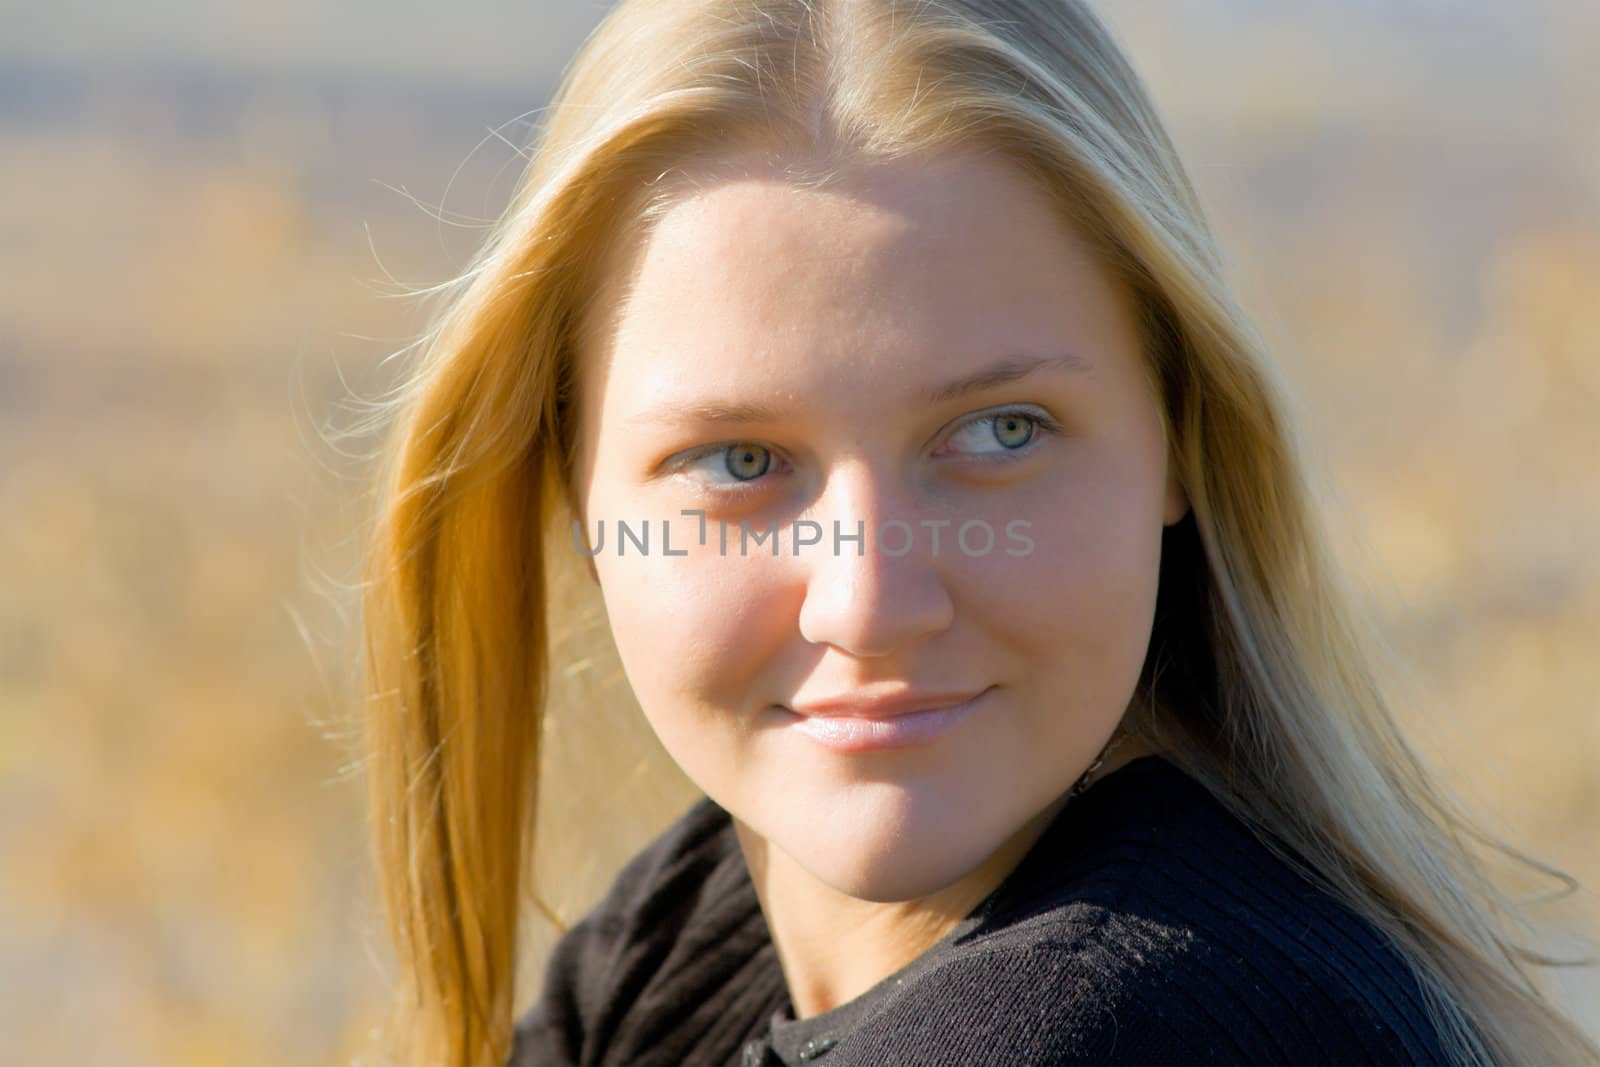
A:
[875,360]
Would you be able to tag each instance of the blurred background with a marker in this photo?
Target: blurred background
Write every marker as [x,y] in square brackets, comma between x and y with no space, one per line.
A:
[208,213]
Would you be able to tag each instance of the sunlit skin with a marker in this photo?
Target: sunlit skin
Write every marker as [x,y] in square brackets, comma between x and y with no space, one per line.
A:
[838,310]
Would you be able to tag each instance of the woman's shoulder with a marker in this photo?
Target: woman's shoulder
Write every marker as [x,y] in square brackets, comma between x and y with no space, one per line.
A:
[643,977]
[676,869]
[1148,924]
[1152,925]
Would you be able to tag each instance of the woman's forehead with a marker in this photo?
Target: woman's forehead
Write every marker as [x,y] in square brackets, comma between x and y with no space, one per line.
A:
[961,263]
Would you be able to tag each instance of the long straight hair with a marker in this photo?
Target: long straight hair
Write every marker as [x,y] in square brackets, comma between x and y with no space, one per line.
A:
[1261,677]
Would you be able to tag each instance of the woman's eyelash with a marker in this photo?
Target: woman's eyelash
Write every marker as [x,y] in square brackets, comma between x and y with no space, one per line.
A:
[1041,421]
[1038,418]
[726,492]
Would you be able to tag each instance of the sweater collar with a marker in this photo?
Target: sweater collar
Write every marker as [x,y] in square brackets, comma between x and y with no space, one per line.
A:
[796,1041]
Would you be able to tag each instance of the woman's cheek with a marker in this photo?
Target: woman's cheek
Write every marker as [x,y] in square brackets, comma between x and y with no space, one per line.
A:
[1096,548]
[692,630]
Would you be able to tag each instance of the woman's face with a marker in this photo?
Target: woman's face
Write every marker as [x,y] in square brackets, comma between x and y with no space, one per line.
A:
[927,356]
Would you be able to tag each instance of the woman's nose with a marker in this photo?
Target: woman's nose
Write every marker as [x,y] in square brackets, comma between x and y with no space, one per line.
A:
[880,593]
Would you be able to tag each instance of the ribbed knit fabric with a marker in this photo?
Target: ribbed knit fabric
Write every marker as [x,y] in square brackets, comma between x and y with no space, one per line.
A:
[1146,925]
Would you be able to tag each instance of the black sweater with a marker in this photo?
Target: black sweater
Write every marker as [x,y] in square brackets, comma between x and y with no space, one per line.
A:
[1146,925]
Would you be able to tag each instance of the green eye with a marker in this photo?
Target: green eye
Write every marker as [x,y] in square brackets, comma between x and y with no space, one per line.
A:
[747,461]
[729,469]
[1013,431]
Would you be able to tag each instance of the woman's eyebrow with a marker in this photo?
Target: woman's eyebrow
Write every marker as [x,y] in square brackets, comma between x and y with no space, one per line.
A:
[710,412]
[1008,369]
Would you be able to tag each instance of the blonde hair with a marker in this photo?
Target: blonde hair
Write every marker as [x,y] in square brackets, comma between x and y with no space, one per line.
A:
[1260,679]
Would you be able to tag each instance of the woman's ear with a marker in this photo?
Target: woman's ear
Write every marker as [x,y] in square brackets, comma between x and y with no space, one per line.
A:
[573,499]
[581,538]
[1177,505]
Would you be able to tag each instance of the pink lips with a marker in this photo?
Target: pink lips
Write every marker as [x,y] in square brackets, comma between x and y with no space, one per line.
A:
[864,727]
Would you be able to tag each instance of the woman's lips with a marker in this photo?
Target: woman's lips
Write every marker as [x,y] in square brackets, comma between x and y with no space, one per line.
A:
[848,733]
